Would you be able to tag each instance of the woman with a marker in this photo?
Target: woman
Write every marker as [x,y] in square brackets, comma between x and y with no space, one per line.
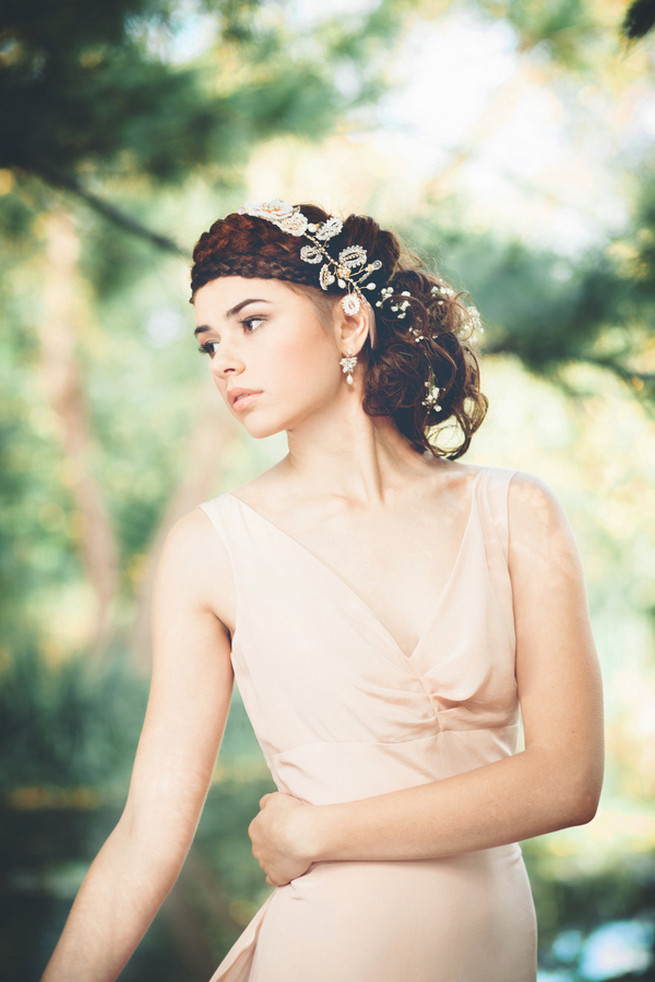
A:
[385,609]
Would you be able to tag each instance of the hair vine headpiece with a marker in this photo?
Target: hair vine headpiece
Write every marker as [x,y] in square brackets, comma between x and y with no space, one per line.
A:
[350,270]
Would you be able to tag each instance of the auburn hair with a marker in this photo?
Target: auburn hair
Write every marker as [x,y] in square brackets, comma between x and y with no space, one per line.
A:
[400,370]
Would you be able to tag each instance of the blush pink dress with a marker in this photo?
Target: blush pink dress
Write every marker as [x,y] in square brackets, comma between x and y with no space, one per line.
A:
[342,713]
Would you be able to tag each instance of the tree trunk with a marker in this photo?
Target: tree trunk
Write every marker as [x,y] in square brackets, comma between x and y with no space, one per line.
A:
[64,387]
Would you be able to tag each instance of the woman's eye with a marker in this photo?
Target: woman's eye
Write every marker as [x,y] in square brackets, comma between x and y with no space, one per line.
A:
[208,348]
[251,324]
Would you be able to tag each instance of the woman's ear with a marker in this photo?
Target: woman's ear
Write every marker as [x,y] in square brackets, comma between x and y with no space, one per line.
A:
[353,329]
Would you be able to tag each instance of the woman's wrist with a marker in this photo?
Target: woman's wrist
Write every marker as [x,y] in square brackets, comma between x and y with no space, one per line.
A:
[315,832]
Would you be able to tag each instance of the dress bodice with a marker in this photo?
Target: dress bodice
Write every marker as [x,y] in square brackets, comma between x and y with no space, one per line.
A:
[339,709]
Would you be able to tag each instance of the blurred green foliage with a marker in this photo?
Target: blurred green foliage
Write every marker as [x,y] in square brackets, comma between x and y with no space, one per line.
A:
[94,710]
[566,29]
[138,115]
[551,310]
[99,91]
[68,733]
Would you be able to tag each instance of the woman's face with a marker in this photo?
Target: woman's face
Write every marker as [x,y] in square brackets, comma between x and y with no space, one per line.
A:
[273,355]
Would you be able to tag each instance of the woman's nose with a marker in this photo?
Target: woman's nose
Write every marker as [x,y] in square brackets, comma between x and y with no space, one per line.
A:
[226,362]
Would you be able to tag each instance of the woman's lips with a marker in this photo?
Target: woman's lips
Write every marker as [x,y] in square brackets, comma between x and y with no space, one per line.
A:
[240,399]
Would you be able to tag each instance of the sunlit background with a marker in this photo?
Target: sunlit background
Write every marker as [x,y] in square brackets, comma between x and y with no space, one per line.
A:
[511,143]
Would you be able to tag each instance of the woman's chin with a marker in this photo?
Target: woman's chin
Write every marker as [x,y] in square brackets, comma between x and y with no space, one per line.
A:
[260,430]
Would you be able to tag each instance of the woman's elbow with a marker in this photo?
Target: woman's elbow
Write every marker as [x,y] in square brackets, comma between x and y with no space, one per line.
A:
[580,802]
[567,788]
[156,841]
[584,809]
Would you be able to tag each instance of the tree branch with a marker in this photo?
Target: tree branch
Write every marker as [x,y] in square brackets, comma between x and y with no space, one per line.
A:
[61,180]
[628,375]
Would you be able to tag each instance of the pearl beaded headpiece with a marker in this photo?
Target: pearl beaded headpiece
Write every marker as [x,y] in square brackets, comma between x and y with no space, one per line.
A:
[350,270]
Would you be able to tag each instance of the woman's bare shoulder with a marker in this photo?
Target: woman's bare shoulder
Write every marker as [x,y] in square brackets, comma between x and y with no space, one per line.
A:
[534,508]
[531,499]
[541,537]
[196,560]
[526,492]
[458,476]
[190,534]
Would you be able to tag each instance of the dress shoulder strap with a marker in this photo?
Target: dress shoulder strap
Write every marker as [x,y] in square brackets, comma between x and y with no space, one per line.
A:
[242,538]
[220,512]
[493,504]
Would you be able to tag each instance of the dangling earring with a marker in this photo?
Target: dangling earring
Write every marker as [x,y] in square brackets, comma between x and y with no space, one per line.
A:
[347,363]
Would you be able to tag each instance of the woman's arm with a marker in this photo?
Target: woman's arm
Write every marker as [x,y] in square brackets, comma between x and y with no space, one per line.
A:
[555,782]
[187,710]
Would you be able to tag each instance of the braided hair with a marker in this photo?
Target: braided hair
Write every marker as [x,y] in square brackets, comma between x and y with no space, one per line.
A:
[421,370]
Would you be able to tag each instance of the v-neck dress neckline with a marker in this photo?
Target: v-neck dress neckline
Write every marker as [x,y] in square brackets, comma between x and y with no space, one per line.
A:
[346,585]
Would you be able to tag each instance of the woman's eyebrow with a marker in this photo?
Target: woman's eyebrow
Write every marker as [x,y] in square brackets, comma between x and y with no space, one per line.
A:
[232,312]
[244,303]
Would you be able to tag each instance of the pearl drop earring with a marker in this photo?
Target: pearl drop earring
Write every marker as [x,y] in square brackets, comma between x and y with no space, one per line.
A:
[347,363]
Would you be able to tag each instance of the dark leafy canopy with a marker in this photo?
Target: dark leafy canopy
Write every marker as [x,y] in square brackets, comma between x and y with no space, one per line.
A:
[639,19]
[552,311]
[78,89]
[88,87]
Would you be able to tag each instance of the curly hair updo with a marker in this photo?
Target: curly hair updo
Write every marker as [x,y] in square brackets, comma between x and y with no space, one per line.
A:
[420,369]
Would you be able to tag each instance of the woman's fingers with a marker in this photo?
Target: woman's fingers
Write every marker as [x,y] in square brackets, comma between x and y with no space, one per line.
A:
[273,841]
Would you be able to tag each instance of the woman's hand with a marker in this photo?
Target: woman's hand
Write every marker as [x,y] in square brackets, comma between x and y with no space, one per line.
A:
[280,837]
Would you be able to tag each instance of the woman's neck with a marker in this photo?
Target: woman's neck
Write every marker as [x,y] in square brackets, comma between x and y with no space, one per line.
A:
[351,455]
